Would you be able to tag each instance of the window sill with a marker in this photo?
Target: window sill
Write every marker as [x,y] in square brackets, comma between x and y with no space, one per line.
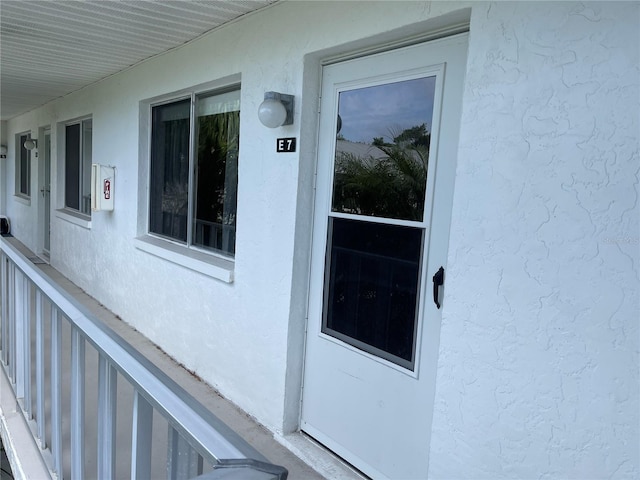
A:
[74,217]
[23,199]
[209,265]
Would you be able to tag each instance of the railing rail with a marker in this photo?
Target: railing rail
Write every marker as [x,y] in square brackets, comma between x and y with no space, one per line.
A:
[197,442]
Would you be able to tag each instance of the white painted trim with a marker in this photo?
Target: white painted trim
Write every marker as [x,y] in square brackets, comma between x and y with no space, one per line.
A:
[74,217]
[210,265]
[24,199]
[462,25]
[40,184]
[22,451]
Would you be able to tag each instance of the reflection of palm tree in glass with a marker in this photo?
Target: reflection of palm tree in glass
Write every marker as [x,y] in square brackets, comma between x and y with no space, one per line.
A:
[170,169]
[175,198]
[217,179]
[389,180]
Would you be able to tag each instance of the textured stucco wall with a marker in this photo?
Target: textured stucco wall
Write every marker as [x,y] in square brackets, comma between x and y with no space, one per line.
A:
[235,336]
[538,367]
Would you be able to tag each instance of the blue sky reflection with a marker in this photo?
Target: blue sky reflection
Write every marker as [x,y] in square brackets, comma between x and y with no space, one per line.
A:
[386,110]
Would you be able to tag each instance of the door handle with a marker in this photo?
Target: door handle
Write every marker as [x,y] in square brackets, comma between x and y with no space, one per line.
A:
[438,281]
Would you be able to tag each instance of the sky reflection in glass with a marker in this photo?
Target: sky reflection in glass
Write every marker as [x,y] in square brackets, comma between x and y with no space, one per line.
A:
[382,151]
[386,110]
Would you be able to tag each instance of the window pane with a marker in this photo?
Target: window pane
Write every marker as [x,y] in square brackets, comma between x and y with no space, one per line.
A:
[382,149]
[25,169]
[371,287]
[87,143]
[216,178]
[72,167]
[169,186]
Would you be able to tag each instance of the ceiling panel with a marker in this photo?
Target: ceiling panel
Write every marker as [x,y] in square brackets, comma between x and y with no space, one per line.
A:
[49,48]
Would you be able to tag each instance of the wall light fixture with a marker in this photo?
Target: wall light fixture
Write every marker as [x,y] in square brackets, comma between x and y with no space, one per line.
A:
[30,144]
[276,110]
[3,150]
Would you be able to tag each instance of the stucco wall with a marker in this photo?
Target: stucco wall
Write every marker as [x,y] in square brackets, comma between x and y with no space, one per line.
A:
[235,336]
[538,367]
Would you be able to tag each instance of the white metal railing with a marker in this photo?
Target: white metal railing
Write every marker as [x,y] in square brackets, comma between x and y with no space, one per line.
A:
[47,340]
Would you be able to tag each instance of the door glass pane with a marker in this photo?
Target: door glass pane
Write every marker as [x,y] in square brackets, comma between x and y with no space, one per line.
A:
[371,286]
[216,177]
[169,186]
[382,149]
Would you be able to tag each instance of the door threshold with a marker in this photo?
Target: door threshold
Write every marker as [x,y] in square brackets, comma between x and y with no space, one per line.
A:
[319,457]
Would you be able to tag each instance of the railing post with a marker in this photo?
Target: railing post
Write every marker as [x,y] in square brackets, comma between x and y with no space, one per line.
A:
[183,462]
[77,404]
[19,332]
[107,390]
[40,391]
[26,349]
[56,391]
[141,438]
[5,306]
[12,323]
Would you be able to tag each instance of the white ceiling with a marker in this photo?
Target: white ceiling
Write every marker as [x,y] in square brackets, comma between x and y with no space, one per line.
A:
[49,48]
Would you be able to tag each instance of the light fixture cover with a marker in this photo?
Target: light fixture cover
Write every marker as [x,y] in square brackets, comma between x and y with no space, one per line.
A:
[276,110]
[3,149]
[30,144]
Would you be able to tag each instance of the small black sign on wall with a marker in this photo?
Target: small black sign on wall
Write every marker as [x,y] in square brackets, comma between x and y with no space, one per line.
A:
[286,145]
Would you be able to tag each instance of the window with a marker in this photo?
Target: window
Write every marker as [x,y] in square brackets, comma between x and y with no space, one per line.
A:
[77,174]
[194,170]
[23,168]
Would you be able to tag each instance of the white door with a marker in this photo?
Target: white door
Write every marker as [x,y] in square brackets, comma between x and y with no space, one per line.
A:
[387,154]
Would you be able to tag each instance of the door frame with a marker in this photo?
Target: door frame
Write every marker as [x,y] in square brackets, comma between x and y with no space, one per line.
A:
[440,26]
[429,346]
[41,216]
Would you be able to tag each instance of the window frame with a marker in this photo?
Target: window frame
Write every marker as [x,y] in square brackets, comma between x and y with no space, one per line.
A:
[174,244]
[81,160]
[20,139]
[169,101]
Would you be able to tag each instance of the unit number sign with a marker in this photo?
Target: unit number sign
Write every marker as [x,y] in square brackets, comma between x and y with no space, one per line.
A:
[286,145]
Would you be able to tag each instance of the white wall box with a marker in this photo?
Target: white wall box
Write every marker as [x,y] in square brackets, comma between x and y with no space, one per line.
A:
[102,187]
